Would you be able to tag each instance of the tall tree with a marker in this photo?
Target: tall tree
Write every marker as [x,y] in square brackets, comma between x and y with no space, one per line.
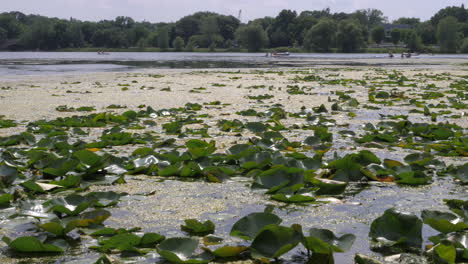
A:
[447,34]
[252,37]
[350,36]
[321,36]
[378,34]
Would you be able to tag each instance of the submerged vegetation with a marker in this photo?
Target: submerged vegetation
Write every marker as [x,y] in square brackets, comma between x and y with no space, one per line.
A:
[385,130]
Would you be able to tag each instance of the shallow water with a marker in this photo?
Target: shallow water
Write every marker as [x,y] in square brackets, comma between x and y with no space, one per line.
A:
[40,63]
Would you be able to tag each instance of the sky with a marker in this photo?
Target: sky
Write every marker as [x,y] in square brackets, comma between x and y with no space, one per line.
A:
[172,10]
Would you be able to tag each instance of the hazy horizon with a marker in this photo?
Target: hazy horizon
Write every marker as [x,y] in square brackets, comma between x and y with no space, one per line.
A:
[170,11]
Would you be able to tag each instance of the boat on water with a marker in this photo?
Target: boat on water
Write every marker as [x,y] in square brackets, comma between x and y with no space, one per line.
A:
[278,54]
[102,53]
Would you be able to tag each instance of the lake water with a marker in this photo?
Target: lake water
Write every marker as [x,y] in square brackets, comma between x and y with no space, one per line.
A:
[35,63]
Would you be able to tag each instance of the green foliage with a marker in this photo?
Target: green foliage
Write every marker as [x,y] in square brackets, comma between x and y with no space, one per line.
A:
[178,44]
[378,34]
[350,36]
[396,231]
[447,34]
[252,37]
[321,36]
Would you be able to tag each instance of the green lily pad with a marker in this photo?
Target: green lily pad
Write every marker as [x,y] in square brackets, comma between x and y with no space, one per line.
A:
[58,228]
[413,178]
[8,174]
[323,241]
[181,250]
[120,242]
[227,251]
[274,240]
[248,226]
[71,205]
[199,148]
[30,244]
[256,127]
[5,199]
[443,222]
[194,227]
[329,187]
[396,231]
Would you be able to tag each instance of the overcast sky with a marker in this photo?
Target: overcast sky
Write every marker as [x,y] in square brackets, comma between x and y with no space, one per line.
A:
[172,10]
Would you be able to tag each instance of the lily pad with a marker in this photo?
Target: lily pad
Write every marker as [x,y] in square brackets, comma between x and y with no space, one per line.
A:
[274,240]
[194,227]
[396,231]
[443,222]
[248,226]
[30,244]
[181,250]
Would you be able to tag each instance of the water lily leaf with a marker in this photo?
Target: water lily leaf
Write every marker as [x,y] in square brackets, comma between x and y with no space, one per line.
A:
[312,141]
[180,250]
[349,168]
[95,217]
[104,199]
[71,205]
[87,157]
[199,148]
[446,252]
[151,239]
[30,244]
[462,173]
[329,187]
[392,163]
[460,207]
[248,226]
[194,227]
[413,178]
[121,242]
[291,197]
[60,167]
[5,199]
[279,177]
[396,230]
[323,241]
[274,240]
[57,228]
[69,181]
[443,222]
[227,251]
[212,240]
[256,127]
[8,174]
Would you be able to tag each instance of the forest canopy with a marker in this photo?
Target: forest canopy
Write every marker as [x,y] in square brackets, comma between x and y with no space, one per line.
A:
[314,31]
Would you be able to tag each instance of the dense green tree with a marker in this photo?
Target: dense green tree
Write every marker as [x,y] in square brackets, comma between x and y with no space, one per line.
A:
[447,34]
[350,36]
[163,38]
[281,32]
[412,21]
[369,18]
[378,34]
[178,44]
[395,36]
[3,35]
[252,37]
[321,36]
[464,46]
[413,41]
[427,32]
[459,13]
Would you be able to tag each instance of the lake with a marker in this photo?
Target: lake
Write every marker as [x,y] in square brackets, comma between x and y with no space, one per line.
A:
[40,63]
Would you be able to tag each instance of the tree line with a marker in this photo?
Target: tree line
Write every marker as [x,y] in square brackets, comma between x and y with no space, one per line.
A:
[314,31]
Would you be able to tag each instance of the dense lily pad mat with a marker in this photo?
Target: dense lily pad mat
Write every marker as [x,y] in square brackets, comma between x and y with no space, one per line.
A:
[338,164]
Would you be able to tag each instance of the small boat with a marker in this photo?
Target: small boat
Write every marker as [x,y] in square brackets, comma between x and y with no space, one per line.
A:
[102,53]
[280,54]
